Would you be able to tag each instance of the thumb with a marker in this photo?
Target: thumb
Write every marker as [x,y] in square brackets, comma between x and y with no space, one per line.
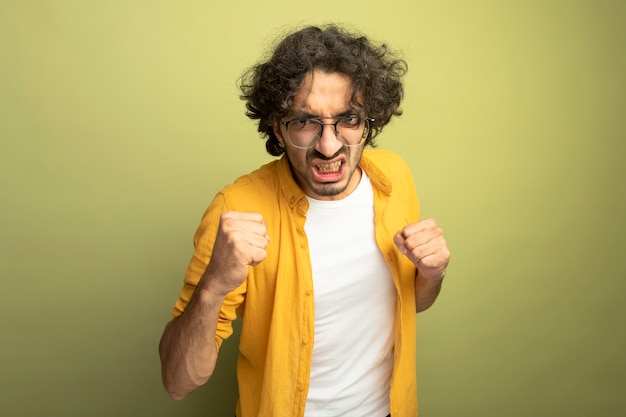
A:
[399,240]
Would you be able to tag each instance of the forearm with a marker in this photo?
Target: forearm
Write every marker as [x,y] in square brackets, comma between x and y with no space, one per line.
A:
[187,349]
[426,292]
[424,245]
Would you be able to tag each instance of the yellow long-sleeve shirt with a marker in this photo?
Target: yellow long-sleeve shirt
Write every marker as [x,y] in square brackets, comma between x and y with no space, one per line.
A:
[276,300]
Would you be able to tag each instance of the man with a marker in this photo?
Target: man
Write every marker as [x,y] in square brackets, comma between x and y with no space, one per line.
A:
[320,252]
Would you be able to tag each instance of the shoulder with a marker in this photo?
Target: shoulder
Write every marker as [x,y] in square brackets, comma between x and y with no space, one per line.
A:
[254,192]
[254,185]
[386,166]
[385,160]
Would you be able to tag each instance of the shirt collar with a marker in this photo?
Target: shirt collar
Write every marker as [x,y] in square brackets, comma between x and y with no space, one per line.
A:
[294,194]
[378,177]
[291,190]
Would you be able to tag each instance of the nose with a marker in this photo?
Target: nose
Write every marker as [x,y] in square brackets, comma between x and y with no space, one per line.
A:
[328,144]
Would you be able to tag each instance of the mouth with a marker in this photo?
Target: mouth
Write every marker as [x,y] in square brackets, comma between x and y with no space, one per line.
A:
[328,171]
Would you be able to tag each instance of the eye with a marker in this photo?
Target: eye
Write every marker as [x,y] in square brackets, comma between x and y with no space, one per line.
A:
[304,124]
[351,121]
[299,123]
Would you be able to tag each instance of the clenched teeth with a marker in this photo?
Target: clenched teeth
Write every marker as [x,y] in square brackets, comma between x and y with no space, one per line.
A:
[329,168]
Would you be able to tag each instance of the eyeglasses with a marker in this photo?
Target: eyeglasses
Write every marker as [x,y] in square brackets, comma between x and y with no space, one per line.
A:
[304,133]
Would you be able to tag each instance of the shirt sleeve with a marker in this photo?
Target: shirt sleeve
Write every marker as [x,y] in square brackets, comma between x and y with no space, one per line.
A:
[204,240]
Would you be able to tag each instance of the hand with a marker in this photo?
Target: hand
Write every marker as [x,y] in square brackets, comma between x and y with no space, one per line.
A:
[424,245]
[240,243]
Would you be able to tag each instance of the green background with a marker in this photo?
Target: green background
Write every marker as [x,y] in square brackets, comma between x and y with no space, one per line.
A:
[119,120]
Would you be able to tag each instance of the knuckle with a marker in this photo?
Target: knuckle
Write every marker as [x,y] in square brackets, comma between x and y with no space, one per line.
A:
[227,223]
[430,222]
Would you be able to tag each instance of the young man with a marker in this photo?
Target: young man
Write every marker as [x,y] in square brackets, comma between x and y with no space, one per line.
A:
[321,252]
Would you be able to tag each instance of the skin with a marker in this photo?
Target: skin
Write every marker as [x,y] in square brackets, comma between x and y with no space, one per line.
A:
[423,243]
[187,349]
[323,95]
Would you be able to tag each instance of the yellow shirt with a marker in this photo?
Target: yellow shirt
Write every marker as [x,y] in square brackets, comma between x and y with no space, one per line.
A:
[276,300]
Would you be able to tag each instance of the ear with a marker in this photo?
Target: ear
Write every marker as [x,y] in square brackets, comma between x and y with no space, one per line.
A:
[278,132]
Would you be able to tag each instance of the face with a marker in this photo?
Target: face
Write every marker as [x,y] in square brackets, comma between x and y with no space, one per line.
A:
[329,170]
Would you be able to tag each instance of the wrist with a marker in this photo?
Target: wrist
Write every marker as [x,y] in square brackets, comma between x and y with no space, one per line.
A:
[210,289]
[422,280]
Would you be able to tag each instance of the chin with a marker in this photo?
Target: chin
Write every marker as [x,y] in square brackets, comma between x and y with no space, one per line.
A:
[329,190]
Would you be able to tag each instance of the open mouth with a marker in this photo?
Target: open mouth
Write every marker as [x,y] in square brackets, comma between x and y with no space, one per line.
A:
[329,171]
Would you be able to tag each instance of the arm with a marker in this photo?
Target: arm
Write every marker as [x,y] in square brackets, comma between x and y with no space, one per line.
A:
[424,245]
[188,348]
[426,292]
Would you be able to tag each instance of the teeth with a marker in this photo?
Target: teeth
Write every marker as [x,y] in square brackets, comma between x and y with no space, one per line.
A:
[329,168]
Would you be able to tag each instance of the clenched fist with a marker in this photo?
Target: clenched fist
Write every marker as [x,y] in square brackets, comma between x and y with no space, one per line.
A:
[240,243]
[424,245]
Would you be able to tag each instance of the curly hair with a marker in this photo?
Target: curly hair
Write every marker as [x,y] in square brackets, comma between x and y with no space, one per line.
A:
[376,73]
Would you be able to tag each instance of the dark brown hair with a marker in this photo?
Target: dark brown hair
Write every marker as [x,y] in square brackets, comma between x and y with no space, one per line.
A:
[269,87]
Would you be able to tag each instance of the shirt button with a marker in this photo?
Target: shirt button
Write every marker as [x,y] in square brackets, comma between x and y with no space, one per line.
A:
[300,387]
[305,341]
[308,292]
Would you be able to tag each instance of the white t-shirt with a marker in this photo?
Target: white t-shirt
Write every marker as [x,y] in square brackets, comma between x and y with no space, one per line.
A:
[355,302]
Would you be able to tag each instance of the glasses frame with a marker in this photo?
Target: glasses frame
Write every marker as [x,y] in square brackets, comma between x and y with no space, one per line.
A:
[318,120]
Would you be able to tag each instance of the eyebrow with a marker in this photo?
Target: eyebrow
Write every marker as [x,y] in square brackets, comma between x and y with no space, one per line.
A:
[306,115]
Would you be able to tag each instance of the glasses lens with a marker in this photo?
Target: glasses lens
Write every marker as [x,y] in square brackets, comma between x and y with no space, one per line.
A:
[350,130]
[303,132]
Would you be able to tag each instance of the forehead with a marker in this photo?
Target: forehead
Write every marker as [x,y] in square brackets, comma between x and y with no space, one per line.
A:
[323,93]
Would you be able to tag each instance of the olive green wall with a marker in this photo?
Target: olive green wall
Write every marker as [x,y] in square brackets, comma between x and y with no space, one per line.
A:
[119,120]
